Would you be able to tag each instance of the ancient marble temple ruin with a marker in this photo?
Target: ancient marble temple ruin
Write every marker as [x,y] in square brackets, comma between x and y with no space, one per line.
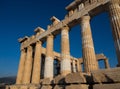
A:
[36,67]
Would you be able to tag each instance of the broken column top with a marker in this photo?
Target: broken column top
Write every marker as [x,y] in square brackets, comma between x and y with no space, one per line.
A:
[23,39]
[73,5]
[39,29]
[54,20]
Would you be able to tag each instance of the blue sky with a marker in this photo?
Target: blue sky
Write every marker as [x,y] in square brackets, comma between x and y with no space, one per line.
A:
[20,17]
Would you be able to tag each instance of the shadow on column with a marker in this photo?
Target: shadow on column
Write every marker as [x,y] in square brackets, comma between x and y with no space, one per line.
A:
[42,66]
[56,67]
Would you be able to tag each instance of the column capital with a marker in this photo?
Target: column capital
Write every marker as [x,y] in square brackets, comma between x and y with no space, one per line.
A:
[65,27]
[50,35]
[85,18]
[38,42]
[29,48]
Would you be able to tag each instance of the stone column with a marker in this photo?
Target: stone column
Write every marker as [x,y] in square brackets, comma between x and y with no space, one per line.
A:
[114,12]
[88,53]
[79,69]
[48,72]
[73,66]
[107,66]
[37,63]
[28,66]
[65,51]
[21,67]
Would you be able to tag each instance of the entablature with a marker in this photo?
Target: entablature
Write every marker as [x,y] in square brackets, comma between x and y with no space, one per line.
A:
[71,20]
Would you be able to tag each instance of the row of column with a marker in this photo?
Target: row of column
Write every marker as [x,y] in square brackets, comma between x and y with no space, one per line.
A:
[77,66]
[25,68]
[29,71]
[26,71]
[88,53]
[27,74]
[89,59]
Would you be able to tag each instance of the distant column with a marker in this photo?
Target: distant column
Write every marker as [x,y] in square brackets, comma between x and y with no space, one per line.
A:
[28,66]
[48,72]
[107,66]
[21,67]
[65,51]
[79,68]
[73,66]
[88,53]
[114,11]
[37,62]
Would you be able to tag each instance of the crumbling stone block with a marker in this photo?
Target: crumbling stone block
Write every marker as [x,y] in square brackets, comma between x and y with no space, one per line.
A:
[46,81]
[59,87]
[24,87]
[59,79]
[107,86]
[106,75]
[46,87]
[75,78]
[34,87]
[14,87]
[78,86]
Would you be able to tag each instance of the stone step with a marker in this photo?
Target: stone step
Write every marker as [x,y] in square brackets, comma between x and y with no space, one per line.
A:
[78,86]
[106,76]
[75,78]
[107,86]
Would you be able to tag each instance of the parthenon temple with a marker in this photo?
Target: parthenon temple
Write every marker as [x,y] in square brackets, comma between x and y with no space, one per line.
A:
[43,68]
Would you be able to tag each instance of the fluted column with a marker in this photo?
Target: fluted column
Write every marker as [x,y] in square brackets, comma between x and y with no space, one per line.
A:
[48,72]
[37,62]
[79,68]
[65,51]
[21,67]
[107,66]
[88,53]
[28,66]
[114,12]
[73,66]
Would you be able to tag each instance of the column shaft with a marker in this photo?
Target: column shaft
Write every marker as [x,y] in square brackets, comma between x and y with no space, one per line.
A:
[37,63]
[88,53]
[79,68]
[21,67]
[28,66]
[107,66]
[48,72]
[73,66]
[114,12]
[65,52]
